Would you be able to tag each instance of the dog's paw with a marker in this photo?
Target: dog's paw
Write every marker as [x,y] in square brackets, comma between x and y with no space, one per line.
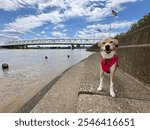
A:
[99,89]
[112,94]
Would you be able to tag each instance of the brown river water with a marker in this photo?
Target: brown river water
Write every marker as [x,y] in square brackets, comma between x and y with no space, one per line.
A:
[29,71]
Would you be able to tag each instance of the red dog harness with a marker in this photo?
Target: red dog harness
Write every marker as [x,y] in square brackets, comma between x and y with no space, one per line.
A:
[107,63]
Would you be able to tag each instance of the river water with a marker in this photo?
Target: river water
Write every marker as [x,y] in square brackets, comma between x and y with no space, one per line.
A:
[29,71]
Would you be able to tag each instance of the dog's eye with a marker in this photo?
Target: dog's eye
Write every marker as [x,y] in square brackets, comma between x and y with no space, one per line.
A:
[103,43]
[111,42]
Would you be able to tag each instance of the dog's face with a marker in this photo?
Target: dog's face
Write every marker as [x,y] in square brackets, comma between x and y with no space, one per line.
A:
[108,45]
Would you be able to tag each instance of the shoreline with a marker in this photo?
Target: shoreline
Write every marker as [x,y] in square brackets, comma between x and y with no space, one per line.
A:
[29,105]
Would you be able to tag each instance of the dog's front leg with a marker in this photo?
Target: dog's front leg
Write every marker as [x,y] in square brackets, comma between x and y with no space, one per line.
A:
[101,81]
[112,74]
[112,93]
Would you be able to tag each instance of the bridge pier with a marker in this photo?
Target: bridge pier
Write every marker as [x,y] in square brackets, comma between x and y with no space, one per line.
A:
[72,47]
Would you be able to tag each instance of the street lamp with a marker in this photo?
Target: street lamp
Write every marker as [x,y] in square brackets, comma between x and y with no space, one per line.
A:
[99,30]
[114,13]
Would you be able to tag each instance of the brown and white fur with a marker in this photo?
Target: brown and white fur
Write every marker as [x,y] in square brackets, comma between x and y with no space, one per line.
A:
[108,53]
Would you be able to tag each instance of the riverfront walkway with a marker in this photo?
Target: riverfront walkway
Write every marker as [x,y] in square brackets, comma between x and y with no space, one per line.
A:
[76,91]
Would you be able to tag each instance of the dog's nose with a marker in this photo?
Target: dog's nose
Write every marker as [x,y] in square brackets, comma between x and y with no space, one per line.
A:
[107,47]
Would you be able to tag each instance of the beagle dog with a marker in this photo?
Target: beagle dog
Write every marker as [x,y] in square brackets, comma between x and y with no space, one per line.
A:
[108,61]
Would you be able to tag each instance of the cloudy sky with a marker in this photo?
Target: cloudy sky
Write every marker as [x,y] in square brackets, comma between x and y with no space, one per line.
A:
[31,19]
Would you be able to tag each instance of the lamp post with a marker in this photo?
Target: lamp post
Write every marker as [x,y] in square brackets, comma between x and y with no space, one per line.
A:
[114,13]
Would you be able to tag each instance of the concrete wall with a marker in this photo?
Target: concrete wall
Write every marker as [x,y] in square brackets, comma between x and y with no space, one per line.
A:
[134,54]
[138,37]
[136,62]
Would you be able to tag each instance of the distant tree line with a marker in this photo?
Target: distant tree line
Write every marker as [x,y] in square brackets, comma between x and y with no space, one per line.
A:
[139,24]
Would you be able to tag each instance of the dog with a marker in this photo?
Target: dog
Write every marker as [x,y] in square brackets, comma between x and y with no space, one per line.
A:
[108,61]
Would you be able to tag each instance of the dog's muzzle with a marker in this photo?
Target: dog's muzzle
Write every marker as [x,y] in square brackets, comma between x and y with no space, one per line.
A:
[108,49]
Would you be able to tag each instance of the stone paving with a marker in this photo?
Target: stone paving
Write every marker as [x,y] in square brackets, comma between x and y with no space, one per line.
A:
[131,95]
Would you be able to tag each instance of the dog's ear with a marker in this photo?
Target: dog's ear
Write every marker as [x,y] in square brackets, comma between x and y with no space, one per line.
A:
[116,42]
[98,44]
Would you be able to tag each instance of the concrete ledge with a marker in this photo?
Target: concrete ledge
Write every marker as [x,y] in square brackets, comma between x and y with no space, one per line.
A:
[106,104]
[62,97]
[28,106]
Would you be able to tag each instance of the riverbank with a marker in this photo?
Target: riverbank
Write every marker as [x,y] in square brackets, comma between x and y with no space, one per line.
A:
[76,91]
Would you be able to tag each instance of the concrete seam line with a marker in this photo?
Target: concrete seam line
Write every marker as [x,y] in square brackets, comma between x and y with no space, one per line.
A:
[141,45]
[29,105]
[100,94]
[137,30]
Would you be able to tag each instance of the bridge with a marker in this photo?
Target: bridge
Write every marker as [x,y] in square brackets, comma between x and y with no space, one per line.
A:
[52,42]
[71,41]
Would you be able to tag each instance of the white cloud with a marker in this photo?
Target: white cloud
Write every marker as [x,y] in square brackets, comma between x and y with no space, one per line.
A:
[98,14]
[54,17]
[74,8]
[115,25]
[48,27]
[59,26]
[60,11]
[117,3]
[10,5]
[65,30]
[45,36]
[43,32]
[94,35]
[124,24]
[91,9]
[38,34]
[4,38]
[25,24]
[58,34]
[12,31]
[91,31]
[52,3]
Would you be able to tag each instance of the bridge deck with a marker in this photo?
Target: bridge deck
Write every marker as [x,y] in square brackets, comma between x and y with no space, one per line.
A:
[53,42]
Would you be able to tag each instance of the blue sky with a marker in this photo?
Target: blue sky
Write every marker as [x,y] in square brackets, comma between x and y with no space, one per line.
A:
[32,19]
